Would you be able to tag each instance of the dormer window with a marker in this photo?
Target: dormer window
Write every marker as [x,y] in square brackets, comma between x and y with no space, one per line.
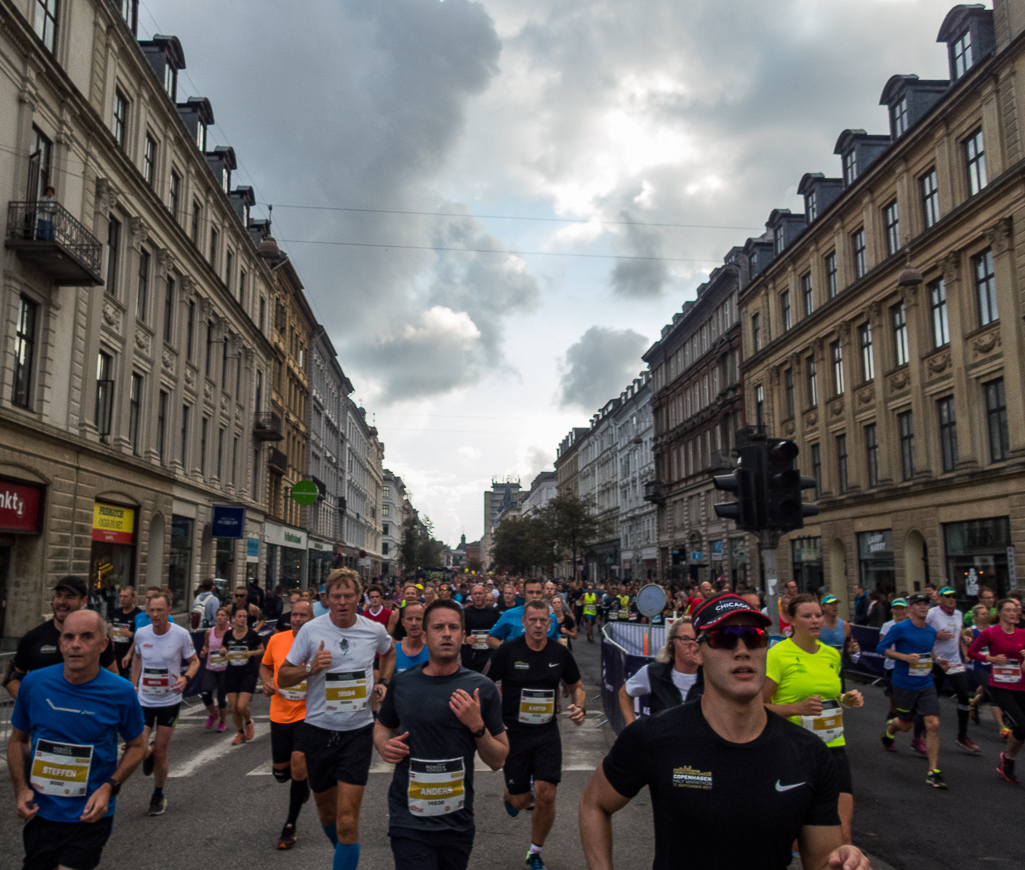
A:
[201,136]
[780,240]
[850,168]
[170,81]
[811,207]
[961,51]
[129,10]
[166,58]
[899,117]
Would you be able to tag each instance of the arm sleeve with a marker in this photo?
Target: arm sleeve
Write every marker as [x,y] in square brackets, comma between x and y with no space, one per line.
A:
[553,627]
[822,810]
[21,657]
[267,659]
[491,709]
[387,715]
[188,646]
[300,651]
[497,668]
[20,718]
[774,667]
[639,684]
[501,628]
[107,656]
[625,766]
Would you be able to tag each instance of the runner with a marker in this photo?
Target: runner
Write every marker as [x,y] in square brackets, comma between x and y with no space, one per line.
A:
[980,622]
[674,676]
[802,683]
[910,643]
[411,651]
[1006,644]
[899,611]
[254,616]
[564,622]
[287,711]
[411,595]
[836,632]
[67,718]
[531,667]
[123,628]
[334,654]
[204,607]
[510,624]
[480,617]
[702,761]
[40,647]
[590,600]
[377,612]
[431,725]
[244,650]
[160,648]
[216,664]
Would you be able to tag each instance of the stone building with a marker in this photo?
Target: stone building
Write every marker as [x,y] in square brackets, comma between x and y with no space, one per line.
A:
[598,484]
[394,503]
[363,488]
[567,467]
[638,520]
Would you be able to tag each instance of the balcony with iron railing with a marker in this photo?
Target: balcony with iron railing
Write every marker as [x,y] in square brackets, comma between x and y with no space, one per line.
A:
[267,427]
[655,492]
[45,234]
[278,460]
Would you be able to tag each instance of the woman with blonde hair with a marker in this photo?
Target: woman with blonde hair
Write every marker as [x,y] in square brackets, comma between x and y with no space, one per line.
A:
[673,678]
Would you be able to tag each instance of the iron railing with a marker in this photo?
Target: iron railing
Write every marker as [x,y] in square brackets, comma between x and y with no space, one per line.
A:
[43,221]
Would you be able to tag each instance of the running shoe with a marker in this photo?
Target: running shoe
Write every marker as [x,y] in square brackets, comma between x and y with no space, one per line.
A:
[534,861]
[222,727]
[887,739]
[1006,769]
[240,738]
[918,745]
[147,765]
[287,838]
[966,744]
[249,730]
[157,805]
[510,809]
[210,721]
[935,779]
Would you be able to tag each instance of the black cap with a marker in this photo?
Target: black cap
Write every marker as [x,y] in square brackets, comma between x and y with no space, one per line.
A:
[714,611]
[918,598]
[72,584]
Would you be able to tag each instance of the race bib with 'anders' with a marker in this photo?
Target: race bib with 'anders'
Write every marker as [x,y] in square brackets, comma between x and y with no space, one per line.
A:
[61,769]
[436,788]
[345,691]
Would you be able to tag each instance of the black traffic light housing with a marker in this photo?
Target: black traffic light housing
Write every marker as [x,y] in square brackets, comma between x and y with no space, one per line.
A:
[748,483]
[784,508]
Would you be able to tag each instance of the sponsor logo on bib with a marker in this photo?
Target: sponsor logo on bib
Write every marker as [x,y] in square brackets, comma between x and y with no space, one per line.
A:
[689,777]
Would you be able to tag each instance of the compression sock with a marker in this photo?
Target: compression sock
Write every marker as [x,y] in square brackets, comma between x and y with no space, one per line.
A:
[158,792]
[346,856]
[297,796]
[962,721]
[332,833]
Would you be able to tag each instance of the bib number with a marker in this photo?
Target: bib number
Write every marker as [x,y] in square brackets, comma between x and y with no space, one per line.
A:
[294,693]
[436,788]
[921,668]
[1009,673]
[480,639]
[564,640]
[828,724]
[121,632]
[955,669]
[345,692]
[624,614]
[537,706]
[61,769]
[217,661]
[155,682]
[238,656]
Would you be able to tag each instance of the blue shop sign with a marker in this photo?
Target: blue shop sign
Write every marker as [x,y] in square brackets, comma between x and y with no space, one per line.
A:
[228,521]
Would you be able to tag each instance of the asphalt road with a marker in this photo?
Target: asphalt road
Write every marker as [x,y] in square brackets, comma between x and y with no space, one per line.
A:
[225,810]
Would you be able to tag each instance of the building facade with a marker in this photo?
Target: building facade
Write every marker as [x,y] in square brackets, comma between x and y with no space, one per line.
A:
[898,367]
[363,487]
[543,489]
[638,517]
[394,503]
[567,469]
[598,484]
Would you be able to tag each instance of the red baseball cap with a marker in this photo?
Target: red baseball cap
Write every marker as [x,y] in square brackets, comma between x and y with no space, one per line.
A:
[715,610]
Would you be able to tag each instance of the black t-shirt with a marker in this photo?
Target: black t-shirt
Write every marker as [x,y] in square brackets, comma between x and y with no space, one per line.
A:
[124,627]
[40,648]
[441,749]
[478,619]
[784,779]
[284,622]
[530,681]
[249,642]
[568,623]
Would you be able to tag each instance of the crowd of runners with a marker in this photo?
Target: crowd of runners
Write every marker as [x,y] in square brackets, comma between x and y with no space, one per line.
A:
[434,676]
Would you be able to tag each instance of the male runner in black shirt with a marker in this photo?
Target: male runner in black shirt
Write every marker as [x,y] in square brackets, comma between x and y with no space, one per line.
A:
[703,760]
[531,668]
[481,617]
[123,633]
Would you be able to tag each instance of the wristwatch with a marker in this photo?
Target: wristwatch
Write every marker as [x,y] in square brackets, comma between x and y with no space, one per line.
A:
[309,667]
[478,734]
[115,786]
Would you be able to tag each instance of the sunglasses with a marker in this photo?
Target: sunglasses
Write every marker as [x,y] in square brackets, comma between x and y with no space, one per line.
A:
[727,637]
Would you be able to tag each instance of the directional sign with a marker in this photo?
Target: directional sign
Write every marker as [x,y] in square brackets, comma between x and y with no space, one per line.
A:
[305,492]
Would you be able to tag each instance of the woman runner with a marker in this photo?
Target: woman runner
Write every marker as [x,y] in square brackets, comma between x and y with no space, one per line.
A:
[216,664]
[245,649]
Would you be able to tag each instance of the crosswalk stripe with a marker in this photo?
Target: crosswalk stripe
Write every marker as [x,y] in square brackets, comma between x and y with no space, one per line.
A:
[210,755]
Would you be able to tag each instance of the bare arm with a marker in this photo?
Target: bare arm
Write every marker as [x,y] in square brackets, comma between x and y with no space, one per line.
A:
[15,682]
[492,748]
[183,679]
[578,709]
[386,665]
[292,675]
[494,642]
[260,621]
[99,800]
[626,705]
[266,680]
[597,805]
[17,752]
[821,849]
[808,707]
[136,670]
[393,621]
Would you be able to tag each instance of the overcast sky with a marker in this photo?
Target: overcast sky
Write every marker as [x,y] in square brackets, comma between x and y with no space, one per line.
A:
[558,133]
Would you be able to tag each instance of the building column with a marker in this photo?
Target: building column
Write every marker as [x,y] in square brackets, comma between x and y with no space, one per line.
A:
[1011,339]
[916,326]
[959,316]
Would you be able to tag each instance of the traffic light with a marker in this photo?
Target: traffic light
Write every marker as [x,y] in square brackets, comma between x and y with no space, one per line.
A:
[784,509]
[748,511]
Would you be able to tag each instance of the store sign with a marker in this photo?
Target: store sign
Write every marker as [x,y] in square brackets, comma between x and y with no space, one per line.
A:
[252,549]
[228,521]
[717,551]
[283,536]
[113,524]
[20,506]
[695,555]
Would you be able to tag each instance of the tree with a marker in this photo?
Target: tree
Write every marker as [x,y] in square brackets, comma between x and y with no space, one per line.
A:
[572,525]
[418,549]
[474,565]
[511,544]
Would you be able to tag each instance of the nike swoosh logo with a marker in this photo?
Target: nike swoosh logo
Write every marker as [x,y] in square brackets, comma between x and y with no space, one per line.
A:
[554,666]
[781,787]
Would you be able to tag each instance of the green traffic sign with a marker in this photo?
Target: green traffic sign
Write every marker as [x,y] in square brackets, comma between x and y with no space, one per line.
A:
[305,492]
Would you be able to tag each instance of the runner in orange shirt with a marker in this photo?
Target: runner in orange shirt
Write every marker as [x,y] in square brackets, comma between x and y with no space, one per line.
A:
[287,712]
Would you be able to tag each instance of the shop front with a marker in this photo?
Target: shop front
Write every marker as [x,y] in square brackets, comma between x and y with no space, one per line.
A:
[180,558]
[322,560]
[979,553]
[112,560]
[876,568]
[21,522]
[286,557]
[227,528]
[806,558]
[252,558]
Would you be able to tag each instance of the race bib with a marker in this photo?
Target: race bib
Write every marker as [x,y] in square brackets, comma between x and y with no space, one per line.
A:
[480,639]
[238,656]
[564,640]
[346,691]
[61,769]
[121,632]
[956,669]
[217,661]
[537,706]
[155,682]
[828,724]
[624,614]
[1009,673]
[921,668]
[436,788]
[294,693]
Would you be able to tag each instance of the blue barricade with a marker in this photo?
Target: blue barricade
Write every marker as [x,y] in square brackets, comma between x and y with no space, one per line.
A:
[621,657]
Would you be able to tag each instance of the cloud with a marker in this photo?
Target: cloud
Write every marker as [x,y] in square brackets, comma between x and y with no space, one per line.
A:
[599,365]
[641,279]
[539,459]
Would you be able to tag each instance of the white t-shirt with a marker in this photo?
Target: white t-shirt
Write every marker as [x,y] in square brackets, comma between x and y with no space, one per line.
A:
[160,659]
[888,663]
[947,649]
[339,698]
[639,684]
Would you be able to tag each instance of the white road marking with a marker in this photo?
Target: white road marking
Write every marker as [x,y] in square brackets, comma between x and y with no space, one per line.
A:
[221,748]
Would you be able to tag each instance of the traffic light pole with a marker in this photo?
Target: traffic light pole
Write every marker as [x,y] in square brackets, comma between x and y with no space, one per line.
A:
[768,540]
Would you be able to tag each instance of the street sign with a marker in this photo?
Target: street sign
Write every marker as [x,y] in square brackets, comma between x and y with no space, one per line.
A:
[305,492]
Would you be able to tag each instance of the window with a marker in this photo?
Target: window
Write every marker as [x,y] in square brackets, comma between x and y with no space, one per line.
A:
[220,452]
[224,363]
[120,127]
[258,404]
[860,260]
[779,239]
[190,329]
[234,458]
[841,463]
[242,287]
[208,364]
[196,214]
[214,236]
[185,437]
[24,352]
[868,367]
[906,431]
[962,51]
[850,168]
[130,13]
[788,391]
[385,510]
[899,319]
[113,254]
[134,409]
[930,198]
[384,547]
[263,314]
[806,294]
[784,303]
[948,433]
[104,393]
[836,354]
[938,313]
[811,207]
[813,382]
[40,161]
[203,428]
[169,309]
[831,283]
[975,162]
[229,268]
[816,469]
[387,494]
[996,420]
[872,454]
[891,221]
[162,426]
[384,527]
[174,195]
[149,160]
[899,116]
[45,23]
[985,287]
[142,299]
[756,332]
[759,405]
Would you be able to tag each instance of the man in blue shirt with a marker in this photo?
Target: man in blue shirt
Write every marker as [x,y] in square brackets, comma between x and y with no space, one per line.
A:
[67,718]
[510,623]
[909,644]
